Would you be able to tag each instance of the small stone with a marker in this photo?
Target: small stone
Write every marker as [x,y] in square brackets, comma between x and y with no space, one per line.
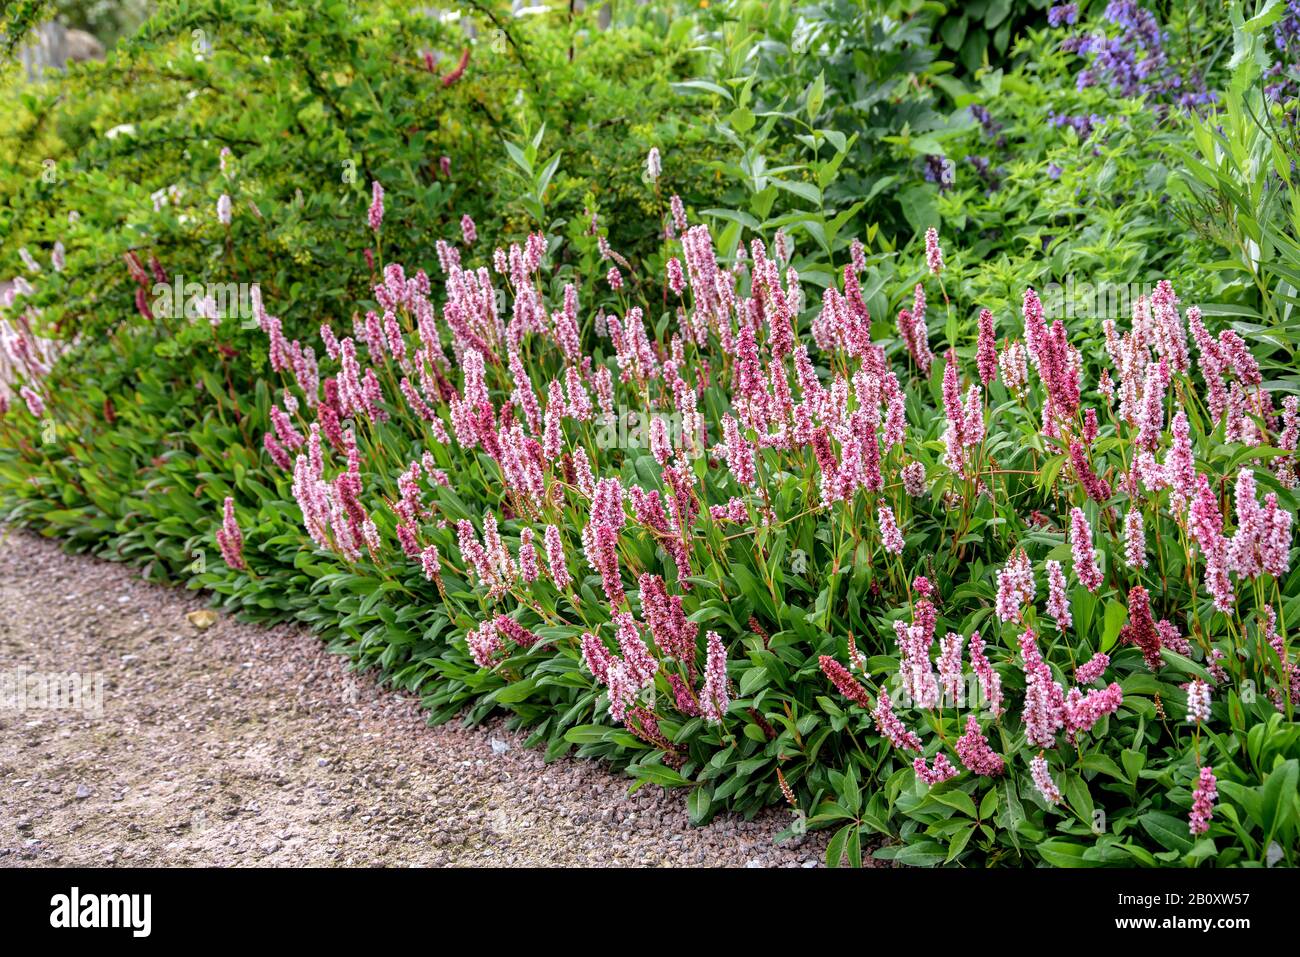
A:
[203,618]
[83,792]
[499,746]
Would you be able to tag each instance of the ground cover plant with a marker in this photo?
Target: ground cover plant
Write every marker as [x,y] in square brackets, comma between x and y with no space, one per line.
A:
[771,507]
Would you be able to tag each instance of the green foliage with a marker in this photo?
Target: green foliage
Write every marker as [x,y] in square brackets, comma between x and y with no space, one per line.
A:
[1237,186]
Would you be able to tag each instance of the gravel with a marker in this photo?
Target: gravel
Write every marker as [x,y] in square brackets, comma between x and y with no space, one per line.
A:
[236,744]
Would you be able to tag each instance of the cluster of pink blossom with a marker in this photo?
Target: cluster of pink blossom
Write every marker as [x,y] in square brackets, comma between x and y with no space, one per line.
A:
[974,751]
[1085,558]
[1141,629]
[933,254]
[529,396]
[1288,675]
[1198,702]
[915,670]
[912,329]
[965,428]
[990,681]
[1049,708]
[1042,776]
[625,674]
[844,682]
[1015,586]
[1044,712]
[892,728]
[943,769]
[1262,542]
[1058,602]
[1058,364]
[1092,669]
[229,538]
[1203,798]
[1205,524]
[1233,392]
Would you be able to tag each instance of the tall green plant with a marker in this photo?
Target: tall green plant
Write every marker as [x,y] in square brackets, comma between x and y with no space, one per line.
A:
[1238,187]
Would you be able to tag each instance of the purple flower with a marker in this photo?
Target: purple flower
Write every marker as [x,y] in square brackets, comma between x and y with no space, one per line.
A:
[1063,14]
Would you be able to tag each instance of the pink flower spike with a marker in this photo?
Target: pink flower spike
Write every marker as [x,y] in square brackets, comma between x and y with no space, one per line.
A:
[555,562]
[990,680]
[1085,559]
[1092,669]
[716,697]
[1198,702]
[942,771]
[1058,602]
[974,752]
[933,254]
[230,539]
[376,214]
[1135,544]
[844,682]
[1043,780]
[888,724]
[891,539]
[986,352]
[1203,798]
[1015,587]
[35,404]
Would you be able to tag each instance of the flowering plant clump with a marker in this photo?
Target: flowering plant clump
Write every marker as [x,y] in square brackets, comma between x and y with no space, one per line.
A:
[821,563]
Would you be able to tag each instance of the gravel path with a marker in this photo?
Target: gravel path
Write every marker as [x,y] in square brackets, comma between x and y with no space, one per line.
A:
[241,745]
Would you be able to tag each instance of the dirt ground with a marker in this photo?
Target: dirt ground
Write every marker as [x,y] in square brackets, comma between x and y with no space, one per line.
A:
[241,745]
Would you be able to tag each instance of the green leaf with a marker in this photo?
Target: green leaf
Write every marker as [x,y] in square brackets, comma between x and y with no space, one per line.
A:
[517,691]
[959,842]
[956,799]
[659,774]
[1169,831]
[835,847]
[806,191]
[741,120]
[922,854]
[816,94]
[1280,796]
[698,803]
[1112,623]
[1062,853]
[919,207]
